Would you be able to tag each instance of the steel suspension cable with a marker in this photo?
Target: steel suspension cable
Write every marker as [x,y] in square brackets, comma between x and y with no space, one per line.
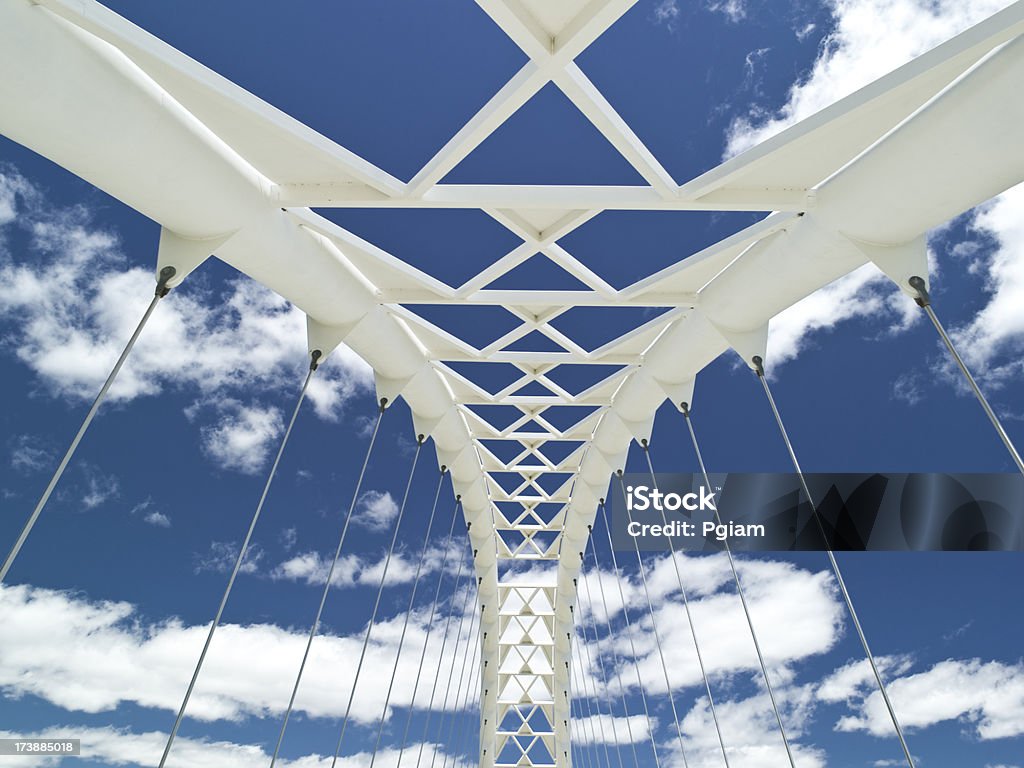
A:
[629,634]
[162,289]
[451,671]
[657,634]
[742,594]
[577,722]
[430,626]
[686,606]
[408,613]
[608,635]
[474,693]
[577,700]
[924,301]
[582,686]
[475,638]
[376,603]
[759,369]
[444,642]
[600,667]
[313,365]
[327,584]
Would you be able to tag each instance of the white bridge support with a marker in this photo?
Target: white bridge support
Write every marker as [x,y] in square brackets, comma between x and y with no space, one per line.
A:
[223,171]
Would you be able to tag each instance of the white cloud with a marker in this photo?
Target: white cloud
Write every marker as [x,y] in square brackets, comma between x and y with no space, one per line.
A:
[359,570]
[242,436]
[29,454]
[99,488]
[73,301]
[734,10]
[870,38]
[376,511]
[987,697]
[159,519]
[606,729]
[992,342]
[90,656]
[114,746]
[221,556]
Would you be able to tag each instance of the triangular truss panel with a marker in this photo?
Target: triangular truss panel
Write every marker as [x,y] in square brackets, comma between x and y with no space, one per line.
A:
[215,163]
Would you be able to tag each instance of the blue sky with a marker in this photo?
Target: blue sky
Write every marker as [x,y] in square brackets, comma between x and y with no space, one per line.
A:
[106,604]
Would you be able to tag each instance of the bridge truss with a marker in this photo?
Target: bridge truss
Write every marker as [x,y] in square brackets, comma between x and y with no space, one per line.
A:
[225,173]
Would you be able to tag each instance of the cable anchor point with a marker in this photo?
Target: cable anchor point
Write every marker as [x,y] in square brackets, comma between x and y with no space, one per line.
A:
[166,275]
[923,298]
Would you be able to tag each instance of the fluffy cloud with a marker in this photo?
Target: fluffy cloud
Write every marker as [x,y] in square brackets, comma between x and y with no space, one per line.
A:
[987,697]
[870,38]
[376,511]
[112,746]
[72,300]
[242,436]
[91,657]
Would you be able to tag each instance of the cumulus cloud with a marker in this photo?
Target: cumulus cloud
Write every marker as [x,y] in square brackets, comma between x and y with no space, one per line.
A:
[376,511]
[985,697]
[72,300]
[242,436]
[116,746]
[92,656]
[870,38]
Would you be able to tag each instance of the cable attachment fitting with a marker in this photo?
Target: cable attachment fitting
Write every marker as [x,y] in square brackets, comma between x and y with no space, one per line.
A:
[420,439]
[166,274]
[444,469]
[685,408]
[314,359]
[923,298]
[383,404]
[758,366]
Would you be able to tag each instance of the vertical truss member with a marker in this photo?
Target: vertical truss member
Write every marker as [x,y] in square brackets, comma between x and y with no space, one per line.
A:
[583,687]
[451,674]
[686,607]
[657,635]
[313,365]
[408,613]
[741,593]
[444,642]
[600,667]
[327,584]
[925,302]
[376,603]
[759,370]
[430,626]
[629,634]
[608,634]
[162,289]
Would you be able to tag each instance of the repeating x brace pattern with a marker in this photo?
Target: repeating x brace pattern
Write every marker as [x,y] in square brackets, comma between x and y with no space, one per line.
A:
[224,172]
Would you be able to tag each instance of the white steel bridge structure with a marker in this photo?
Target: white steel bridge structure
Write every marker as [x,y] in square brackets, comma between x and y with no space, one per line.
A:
[225,173]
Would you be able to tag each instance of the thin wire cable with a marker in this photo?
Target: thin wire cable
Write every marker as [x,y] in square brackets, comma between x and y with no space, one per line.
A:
[327,584]
[473,637]
[474,692]
[430,626]
[587,695]
[608,634]
[686,606]
[586,742]
[600,662]
[629,634]
[657,634]
[408,613]
[161,290]
[451,671]
[742,595]
[832,561]
[444,642]
[581,684]
[924,301]
[241,557]
[376,604]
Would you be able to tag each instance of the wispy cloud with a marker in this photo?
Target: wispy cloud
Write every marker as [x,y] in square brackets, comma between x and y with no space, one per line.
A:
[221,556]
[29,454]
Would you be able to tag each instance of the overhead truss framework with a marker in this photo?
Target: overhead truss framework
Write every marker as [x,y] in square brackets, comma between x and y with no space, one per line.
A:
[226,173]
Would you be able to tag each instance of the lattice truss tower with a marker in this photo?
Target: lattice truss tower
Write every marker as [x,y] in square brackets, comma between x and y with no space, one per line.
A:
[223,172]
